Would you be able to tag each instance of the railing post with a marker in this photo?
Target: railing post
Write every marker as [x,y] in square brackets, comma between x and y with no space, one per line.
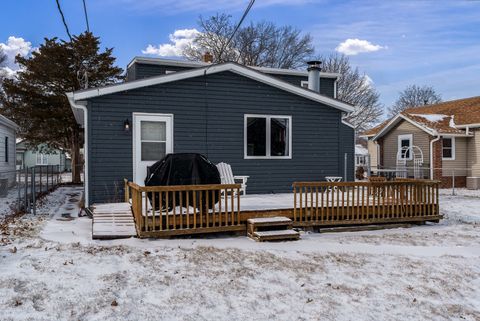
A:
[126,190]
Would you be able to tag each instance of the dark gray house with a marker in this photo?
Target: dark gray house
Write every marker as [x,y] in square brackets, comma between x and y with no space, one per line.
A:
[275,125]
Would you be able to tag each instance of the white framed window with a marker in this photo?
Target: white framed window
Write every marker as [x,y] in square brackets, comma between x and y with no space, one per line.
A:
[304,83]
[267,137]
[404,142]
[42,159]
[448,148]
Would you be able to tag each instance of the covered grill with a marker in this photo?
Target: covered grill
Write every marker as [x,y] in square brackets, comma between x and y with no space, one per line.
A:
[182,169]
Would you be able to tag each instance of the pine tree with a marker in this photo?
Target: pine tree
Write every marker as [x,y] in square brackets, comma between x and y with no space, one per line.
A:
[36,99]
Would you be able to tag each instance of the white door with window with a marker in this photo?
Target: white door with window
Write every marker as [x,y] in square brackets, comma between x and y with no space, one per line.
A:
[152,140]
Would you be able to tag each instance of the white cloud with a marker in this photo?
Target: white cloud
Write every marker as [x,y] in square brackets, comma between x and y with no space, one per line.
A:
[180,39]
[13,47]
[351,47]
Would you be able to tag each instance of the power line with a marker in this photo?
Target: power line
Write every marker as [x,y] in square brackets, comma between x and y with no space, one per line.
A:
[86,15]
[245,13]
[63,19]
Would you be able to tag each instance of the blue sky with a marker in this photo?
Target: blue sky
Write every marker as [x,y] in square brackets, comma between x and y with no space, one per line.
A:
[396,43]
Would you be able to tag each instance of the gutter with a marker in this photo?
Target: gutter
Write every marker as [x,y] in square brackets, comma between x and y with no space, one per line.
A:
[431,153]
[74,105]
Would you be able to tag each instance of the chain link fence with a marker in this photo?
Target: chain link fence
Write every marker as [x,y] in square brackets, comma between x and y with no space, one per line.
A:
[20,189]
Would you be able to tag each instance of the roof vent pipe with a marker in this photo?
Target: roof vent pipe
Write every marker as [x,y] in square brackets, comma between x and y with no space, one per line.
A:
[314,68]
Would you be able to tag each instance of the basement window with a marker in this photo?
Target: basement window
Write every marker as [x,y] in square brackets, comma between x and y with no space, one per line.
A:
[268,137]
[448,148]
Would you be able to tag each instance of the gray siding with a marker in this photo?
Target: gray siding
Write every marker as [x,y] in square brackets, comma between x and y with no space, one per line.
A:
[140,71]
[209,119]
[7,169]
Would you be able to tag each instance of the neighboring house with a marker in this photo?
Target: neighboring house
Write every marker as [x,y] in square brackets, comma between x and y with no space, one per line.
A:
[40,156]
[447,134]
[7,151]
[259,120]
[361,156]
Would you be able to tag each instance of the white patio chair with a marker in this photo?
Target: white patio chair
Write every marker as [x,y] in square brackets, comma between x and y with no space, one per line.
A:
[226,177]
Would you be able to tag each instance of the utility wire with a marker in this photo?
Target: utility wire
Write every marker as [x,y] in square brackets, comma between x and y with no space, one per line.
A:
[63,19]
[86,15]
[245,13]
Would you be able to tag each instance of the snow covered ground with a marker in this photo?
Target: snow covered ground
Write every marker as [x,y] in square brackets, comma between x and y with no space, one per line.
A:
[50,269]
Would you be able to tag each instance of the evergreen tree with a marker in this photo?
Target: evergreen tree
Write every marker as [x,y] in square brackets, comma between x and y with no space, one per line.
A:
[36,99]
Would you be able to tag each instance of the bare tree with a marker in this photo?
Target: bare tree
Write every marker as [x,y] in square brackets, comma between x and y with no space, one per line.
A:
[355,88]
[258,44]
[3,60]
[414,96]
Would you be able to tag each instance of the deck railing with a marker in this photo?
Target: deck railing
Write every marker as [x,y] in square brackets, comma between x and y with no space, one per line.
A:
[184,209]
[325,203]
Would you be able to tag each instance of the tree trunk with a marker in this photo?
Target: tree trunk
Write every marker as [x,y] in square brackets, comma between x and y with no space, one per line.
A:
[76,161]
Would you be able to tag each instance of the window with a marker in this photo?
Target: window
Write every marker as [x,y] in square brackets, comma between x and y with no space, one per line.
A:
[153,137]
[448,148]
[42,159]
[268,136]
[6,149]
[404,142]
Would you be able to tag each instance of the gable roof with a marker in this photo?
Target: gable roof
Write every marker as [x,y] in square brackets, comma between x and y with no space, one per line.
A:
[8,123]
[448,118]
[211,69]
[197,64]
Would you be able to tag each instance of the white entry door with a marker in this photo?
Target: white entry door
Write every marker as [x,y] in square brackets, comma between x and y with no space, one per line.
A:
[152,140]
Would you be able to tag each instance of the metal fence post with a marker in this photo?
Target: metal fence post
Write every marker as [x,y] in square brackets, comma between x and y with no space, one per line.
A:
[345,167]
[34,201]
[26,201]
[453,181]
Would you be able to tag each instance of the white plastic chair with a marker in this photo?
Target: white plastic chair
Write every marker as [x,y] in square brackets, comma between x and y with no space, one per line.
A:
[226,177]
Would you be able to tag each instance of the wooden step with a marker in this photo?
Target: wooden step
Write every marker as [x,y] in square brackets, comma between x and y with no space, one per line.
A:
[275,235]
[262,224]
[113,220]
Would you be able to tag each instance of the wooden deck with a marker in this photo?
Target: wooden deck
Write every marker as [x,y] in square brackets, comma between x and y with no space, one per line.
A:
[113,220]
[164,211]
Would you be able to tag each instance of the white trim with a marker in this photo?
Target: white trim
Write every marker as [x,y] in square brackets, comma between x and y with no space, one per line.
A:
[335,84]
[395,120]
[268,136]
[197,64]
[212,69]
[8,123]
[399,145]
[453,148]
[347,124]
[431,155]
[151,117]
[304,82]
[474,125]
[76,107]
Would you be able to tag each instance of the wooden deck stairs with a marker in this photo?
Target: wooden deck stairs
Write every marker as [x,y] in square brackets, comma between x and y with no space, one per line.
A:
[271,229]
[113,221]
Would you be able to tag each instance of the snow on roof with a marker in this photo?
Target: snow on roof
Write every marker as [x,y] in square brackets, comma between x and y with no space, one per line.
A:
[431,117]
[360,150]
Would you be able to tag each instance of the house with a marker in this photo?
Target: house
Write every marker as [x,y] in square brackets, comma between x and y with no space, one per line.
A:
[40,155]
[262,121]
[361,156]
[447,135]
[7,151]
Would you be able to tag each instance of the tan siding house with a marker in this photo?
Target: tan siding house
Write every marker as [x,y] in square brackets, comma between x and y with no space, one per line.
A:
[447,134]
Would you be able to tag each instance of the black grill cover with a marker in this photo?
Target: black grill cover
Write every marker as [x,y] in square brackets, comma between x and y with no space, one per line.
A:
[182,169]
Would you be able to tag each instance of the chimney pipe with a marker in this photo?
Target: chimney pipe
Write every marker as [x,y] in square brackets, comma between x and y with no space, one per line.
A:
[207,57]
[314,68]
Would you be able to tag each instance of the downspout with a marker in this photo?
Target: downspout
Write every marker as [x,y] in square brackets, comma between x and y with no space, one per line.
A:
[431,154]
[73,104]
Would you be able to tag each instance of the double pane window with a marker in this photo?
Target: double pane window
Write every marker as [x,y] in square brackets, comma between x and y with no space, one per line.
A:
[267,136]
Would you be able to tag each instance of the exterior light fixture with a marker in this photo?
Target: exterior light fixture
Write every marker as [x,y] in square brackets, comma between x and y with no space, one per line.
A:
[126,125]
